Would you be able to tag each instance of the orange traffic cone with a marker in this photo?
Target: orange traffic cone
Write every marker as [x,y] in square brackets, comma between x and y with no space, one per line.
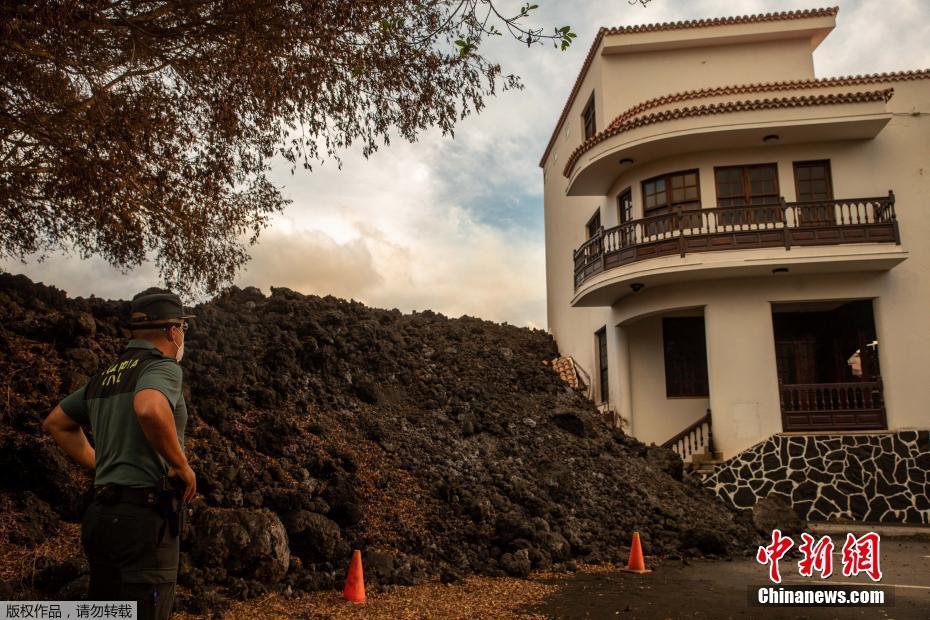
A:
[355,582]
[636,564]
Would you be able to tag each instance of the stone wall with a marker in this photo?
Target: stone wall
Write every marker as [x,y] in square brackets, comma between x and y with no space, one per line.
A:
[881,476]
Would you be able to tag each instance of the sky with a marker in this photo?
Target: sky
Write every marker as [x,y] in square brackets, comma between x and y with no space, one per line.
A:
[456,225]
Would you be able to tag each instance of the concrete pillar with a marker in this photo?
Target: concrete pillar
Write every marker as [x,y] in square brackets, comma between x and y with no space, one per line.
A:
[742,372]
[624,397]
[886,363]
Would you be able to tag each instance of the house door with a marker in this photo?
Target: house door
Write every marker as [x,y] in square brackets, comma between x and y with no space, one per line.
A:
[827,360]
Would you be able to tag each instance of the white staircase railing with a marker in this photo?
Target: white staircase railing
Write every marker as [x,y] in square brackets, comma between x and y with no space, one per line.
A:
[696,437]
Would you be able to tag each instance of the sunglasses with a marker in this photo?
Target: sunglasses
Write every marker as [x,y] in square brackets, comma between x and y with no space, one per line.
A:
[185,325]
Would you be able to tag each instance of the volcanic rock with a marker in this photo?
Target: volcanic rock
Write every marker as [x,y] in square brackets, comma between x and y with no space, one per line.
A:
[436,445]
[773,512]
[665,460]
[244,543]
[315,538]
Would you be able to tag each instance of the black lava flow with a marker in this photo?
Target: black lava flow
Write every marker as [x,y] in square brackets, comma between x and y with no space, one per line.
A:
[439,446]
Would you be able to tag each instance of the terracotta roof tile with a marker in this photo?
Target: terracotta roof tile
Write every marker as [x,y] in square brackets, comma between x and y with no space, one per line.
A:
[720,91]
[697,23]
[724,108]
[852,80]
[726,21]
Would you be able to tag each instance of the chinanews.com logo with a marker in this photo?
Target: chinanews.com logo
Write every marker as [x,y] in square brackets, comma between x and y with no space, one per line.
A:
[859,556]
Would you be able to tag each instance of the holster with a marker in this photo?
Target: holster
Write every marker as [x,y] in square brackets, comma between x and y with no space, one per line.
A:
[171,506]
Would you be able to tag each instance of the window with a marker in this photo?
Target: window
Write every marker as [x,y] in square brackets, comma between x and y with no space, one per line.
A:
[625,215]
[679,190]
[587,119]
[685,356]
[744,186]
[592,249]
[812,183]
[594,224]
[747,185]
[673,193]
[602,363]
[812,180]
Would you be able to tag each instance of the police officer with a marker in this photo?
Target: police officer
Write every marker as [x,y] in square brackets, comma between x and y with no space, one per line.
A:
[136,410]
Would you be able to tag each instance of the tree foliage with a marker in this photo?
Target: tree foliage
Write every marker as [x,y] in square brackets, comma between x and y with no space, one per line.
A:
[137,128]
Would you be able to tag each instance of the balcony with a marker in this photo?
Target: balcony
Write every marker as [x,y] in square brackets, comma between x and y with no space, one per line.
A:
[718,119]
[830,406]
[784,225]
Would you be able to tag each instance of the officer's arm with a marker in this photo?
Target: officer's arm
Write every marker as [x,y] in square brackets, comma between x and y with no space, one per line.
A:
[70,436]
[157,421]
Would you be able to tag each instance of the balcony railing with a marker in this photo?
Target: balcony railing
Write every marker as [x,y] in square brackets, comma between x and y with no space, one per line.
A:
[830,406]
[828,222]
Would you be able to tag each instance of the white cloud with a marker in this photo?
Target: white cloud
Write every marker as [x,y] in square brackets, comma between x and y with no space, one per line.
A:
[312,262]
[85,277]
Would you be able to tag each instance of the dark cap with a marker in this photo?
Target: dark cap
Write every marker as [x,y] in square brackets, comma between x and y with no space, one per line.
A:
[156,305]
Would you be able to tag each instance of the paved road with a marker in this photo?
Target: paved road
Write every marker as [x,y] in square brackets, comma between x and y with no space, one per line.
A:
[718,589]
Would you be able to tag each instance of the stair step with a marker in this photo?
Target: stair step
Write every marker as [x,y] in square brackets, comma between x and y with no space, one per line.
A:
[707,457]
[706,467]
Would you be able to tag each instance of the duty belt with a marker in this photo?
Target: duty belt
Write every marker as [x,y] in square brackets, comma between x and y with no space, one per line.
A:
[109,494]
[166,499]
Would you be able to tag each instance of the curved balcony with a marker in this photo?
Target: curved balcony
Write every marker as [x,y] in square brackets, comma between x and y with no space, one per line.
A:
[784,225]
[724,123]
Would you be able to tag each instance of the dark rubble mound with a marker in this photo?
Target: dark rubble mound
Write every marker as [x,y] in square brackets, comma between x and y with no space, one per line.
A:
[438,446]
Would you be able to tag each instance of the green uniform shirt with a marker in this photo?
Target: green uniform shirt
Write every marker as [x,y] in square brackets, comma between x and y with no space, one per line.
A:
[123,453]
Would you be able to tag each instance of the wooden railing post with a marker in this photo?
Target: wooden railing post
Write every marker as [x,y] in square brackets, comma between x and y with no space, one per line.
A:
[710,433]
[894,219]
[784,218]
[676,221]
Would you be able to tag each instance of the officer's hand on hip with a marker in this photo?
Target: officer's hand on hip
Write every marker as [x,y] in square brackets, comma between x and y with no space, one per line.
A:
[190,480]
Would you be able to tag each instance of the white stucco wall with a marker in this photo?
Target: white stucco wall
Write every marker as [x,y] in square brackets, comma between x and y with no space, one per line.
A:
[653,412]
[629,79]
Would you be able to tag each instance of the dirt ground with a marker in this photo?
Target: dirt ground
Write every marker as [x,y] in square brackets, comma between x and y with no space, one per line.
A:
[699,589]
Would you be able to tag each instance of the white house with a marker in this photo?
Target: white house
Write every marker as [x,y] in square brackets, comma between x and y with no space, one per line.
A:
[738,246]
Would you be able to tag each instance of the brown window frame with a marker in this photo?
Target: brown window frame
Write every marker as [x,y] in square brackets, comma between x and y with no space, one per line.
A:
[697,384]
[748,216]
[818,212]
[670,207]
[625,216]
[587,227]
[666,177]
[747,185]
[603,359]
[810,163]
[589,125]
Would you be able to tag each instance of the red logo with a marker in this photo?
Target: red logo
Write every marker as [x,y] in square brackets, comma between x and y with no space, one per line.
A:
[860,555]
[773,553]
[817,556]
